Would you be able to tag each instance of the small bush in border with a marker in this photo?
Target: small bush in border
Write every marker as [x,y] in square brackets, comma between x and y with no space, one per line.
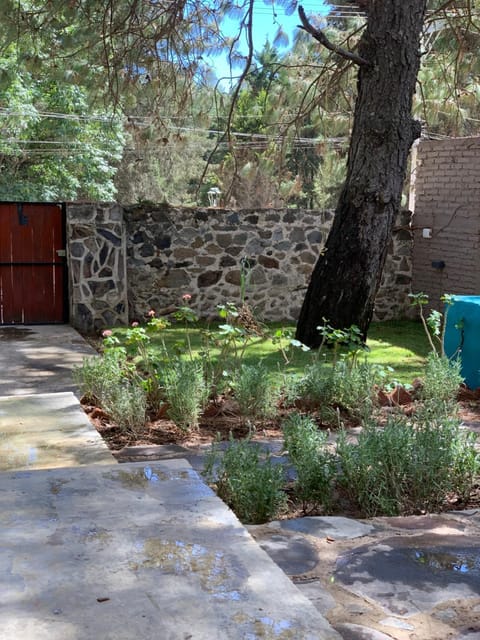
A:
[408,468]
[315,465]
[246,480]
[97,374]
[186,392]
[256,394]
[126,404]
[442,380]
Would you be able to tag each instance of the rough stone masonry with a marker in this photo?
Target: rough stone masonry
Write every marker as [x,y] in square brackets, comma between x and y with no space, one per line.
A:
[123,262]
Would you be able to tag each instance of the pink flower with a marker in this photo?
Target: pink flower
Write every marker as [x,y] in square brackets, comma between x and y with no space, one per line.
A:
[134,324]
[107,333]
[151,313]
[186,297]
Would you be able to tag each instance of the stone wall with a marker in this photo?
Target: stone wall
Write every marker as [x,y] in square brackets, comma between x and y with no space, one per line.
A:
[392,301]
[203,252]
[96,253]
[446,222]
[152,255]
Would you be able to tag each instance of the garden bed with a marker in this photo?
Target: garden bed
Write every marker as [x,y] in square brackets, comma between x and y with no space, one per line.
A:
[358,442]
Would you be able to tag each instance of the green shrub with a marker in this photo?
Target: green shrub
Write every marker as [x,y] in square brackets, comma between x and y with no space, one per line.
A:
[256,394]
[186,393]
[126,404]
[442,380]
[443,460]
[374,470]
[404,468]
[349,385]
[112,383]
[317,386]
[246,480]
[315,465]
[98,374]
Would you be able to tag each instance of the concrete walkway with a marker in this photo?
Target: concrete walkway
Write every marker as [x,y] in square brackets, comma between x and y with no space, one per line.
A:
[39,359]
[118,552]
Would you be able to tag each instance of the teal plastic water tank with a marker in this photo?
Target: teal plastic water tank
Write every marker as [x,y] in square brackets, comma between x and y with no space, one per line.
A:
[462,335]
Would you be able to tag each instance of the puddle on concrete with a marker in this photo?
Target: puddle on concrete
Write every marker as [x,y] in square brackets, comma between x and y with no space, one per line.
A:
[137,479]
[266,628]
[15,333]
[462,561]
[217,576]
[12,457]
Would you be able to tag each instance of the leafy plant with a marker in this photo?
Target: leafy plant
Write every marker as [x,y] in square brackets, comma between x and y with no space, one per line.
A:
[246,479]
[314,464]
[186,392]
[231,340]
[349,339]
[435,323]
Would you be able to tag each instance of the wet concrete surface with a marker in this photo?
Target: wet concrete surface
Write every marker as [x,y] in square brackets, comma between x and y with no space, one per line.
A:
[137,551]
[48,431]
[414,577]
[94,549]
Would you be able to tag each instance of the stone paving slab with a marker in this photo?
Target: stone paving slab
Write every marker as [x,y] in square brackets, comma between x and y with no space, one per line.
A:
[137,551]
[411,578]
[47,431]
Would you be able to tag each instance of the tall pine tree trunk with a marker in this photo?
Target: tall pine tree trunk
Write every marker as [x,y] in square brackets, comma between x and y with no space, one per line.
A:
[347,275]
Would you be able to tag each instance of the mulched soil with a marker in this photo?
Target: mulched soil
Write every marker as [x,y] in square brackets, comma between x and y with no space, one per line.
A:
[221,418]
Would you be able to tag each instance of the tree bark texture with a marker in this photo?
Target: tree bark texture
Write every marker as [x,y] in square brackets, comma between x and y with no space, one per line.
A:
[347,275]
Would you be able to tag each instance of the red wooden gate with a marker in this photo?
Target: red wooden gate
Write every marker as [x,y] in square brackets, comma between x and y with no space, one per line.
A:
[32,263]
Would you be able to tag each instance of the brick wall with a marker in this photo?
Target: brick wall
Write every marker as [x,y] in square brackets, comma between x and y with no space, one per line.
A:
[445,199]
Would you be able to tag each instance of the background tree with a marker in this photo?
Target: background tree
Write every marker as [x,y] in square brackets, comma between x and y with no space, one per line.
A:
[53,145]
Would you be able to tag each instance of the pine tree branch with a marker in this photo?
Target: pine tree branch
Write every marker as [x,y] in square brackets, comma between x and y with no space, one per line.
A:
[322,38]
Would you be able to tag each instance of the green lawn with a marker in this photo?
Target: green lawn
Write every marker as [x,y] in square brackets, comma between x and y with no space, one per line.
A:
[401,345]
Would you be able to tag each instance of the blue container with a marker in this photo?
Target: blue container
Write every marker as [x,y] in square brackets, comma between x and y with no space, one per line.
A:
[462,336]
